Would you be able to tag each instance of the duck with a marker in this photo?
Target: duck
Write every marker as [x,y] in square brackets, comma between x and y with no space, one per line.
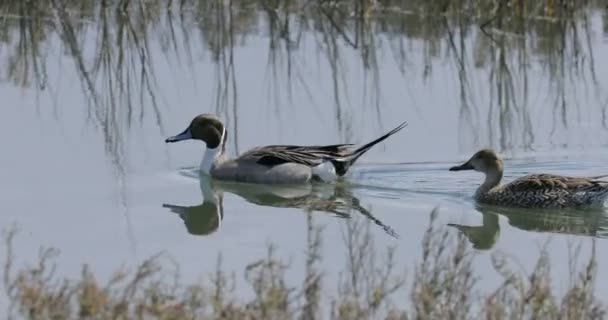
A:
[534,190]
[271,164]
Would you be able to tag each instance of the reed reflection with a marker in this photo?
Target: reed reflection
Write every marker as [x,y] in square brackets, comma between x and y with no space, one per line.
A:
[115,46]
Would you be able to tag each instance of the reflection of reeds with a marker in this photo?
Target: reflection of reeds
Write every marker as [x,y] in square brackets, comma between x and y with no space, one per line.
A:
[117,76]
[223,55]
[119,80]
[550,33]
[28,21]
[372,286]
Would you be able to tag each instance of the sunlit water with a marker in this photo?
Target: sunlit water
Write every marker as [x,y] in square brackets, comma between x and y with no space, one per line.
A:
[103,193]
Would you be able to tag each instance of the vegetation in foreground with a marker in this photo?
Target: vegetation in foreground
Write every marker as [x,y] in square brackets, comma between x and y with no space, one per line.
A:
[442,286]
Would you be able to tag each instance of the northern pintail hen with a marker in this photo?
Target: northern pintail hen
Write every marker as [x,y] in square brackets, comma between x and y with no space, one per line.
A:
[535,190]
[271,164]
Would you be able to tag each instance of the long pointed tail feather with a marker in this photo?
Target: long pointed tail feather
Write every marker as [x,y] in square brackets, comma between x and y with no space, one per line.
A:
[342,166]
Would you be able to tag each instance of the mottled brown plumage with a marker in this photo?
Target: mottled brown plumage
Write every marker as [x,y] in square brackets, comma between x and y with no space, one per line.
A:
[535,190]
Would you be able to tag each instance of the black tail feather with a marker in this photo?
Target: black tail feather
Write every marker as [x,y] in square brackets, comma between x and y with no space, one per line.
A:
[343,165]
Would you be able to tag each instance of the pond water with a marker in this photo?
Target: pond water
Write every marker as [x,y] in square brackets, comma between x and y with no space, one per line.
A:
[87,104]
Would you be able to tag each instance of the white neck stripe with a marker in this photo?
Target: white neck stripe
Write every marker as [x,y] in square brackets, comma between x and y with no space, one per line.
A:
[211,155]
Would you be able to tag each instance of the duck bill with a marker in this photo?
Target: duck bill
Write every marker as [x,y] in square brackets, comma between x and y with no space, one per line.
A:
[186,135]
[465,166]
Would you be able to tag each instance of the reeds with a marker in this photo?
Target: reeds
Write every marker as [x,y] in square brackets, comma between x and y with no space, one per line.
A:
[442,286]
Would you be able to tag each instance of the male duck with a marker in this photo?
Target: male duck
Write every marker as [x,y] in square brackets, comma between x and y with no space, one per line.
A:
[271,164]
[536,190]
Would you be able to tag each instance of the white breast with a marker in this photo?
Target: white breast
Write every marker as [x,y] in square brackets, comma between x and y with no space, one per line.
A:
[325,171]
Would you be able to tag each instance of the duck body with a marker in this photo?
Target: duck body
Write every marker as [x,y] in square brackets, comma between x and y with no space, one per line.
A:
[243,169]
[273,164]
[548,191]
[535,190]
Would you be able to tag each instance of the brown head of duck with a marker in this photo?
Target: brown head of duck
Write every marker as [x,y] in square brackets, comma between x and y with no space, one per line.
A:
[488,162]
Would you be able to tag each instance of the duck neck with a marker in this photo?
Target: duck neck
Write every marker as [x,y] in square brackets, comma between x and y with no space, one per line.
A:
[209,194]
[492,180]
[212,155]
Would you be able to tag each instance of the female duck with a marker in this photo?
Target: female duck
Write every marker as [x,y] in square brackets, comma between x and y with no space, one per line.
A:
[536,190]
[271,164]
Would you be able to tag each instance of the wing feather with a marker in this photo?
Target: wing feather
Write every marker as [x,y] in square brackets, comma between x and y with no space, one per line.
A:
[555,182]
[307,155]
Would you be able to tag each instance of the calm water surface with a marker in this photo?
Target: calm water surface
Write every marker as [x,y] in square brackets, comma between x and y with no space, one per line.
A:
[84,166]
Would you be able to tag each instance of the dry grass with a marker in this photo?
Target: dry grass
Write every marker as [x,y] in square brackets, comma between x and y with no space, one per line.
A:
[443,287]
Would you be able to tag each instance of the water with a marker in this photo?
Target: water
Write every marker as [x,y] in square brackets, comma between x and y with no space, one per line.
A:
[87,106]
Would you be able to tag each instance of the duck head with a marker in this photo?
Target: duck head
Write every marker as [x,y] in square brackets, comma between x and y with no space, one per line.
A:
[205,127]
[485,161]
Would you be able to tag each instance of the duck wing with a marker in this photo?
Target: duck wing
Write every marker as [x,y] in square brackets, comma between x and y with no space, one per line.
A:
[342,156]
[555,182]
[307,155]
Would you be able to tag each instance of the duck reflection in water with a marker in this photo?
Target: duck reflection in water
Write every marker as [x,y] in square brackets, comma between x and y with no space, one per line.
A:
[206,218]
[593,222]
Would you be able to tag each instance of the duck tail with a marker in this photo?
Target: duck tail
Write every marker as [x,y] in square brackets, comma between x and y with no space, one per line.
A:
[342,165]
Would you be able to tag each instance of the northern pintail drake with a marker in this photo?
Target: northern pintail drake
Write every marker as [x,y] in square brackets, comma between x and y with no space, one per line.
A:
[535,190]
[287,164]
